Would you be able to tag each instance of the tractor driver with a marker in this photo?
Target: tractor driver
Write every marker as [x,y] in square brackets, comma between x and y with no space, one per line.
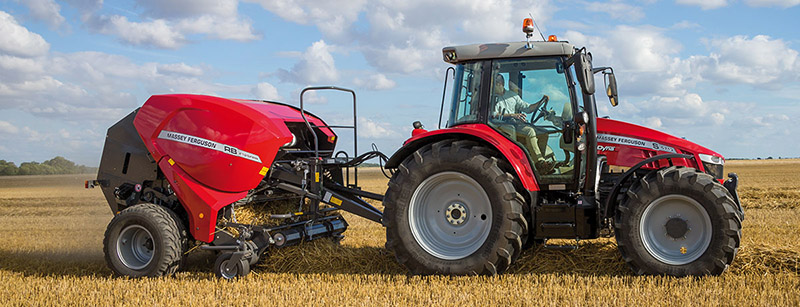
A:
[509,113]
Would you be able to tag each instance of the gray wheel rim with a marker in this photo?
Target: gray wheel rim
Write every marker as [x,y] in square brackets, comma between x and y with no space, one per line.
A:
[662,246]
[455,235]
[228,273]
[135,247]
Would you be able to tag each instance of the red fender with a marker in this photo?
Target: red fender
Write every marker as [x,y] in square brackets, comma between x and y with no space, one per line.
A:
[515,155]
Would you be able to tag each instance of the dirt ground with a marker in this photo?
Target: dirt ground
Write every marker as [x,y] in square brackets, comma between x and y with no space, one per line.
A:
[52,254]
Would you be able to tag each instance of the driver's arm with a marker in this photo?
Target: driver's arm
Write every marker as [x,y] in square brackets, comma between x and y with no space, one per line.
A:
[533,106]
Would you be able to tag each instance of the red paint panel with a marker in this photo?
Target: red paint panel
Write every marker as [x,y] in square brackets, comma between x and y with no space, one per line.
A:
[512,152]
[209,172]
[629,155]
[198,200]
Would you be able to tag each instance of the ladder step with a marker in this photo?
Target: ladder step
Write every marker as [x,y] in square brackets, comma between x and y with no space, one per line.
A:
[558,225]
[561,247]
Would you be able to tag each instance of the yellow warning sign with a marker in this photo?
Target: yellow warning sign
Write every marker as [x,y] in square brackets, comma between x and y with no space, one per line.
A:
[336,201]
[171,162]
[264,171]
[316,176]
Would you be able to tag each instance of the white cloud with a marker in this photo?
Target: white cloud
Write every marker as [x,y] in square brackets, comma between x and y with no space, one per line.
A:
[18,41]
[174,21]
[375,82]
[179,69]
[778,3]
[375,130]
[266,91]
[760,60]
[653,122]
[685,24]
[188,8]
[616,9]
[704,4]
[641,49]
[316,66]
[333,18]
[46,10]
[219,28]
[155,33]
[407,36]
[7,128]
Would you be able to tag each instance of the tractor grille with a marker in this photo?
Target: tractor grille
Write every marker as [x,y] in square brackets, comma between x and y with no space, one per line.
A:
[714,169]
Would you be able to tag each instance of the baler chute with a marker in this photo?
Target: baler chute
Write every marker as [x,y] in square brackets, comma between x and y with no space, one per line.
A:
[176,168]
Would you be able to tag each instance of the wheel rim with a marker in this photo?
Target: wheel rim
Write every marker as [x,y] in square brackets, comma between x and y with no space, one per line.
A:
[135,247]
[450,215]
[226,272]
[675,229]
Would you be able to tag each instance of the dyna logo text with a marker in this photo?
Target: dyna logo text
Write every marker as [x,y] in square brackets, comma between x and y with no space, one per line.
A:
[606,148]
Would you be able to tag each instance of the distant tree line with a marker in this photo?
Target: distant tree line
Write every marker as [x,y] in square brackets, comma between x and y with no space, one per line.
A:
[57,165]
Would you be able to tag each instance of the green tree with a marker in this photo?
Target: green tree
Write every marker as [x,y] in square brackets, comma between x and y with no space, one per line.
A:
[8,168]
[57,165]
[61,165]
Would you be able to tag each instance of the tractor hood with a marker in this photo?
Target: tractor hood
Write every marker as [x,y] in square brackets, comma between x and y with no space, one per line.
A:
[626,144]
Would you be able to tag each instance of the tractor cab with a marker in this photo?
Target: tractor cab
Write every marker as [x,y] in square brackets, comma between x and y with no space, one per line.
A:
[537,95]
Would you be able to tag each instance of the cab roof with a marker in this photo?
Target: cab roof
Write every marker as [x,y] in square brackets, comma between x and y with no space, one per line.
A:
[463,53]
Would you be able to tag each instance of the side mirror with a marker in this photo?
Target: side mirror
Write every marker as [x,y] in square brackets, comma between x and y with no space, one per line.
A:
[611,89]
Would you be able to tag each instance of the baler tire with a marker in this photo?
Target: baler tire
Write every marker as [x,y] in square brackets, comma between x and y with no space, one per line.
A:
[644,249]
[183,235]
[463,159]
[165,236]
[242,267]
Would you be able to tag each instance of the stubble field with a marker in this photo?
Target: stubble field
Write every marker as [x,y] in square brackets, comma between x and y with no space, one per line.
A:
[51,254]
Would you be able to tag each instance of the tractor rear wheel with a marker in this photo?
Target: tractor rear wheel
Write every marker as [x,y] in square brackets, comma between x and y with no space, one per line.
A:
[678,221]
[450,209]
[144,240]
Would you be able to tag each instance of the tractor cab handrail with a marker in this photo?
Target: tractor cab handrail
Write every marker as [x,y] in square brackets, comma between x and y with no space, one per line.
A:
[314,134]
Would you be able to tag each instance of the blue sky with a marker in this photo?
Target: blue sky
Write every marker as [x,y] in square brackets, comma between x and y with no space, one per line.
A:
[722,73]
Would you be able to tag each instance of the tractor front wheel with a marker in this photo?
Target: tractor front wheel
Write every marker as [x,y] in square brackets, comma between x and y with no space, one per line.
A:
[450,209]
[678,221]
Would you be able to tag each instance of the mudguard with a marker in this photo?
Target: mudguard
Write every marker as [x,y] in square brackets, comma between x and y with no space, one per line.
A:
[479,132]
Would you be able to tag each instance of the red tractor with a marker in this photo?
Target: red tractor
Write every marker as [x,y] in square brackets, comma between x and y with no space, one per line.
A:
[523,159]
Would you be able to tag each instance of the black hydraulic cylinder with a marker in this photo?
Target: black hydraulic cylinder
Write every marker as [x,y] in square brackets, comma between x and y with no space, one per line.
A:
[352,204]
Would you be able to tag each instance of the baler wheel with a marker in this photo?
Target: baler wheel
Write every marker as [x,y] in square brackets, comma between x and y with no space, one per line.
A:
[223,267]
[144,240]
[450,209]
[678,221]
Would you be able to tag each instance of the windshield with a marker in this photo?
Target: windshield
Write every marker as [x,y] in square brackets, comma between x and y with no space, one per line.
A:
[466,94]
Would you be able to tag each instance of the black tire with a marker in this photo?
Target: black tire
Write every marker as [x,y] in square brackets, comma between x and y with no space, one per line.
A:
[504,241]
[242,267]
[162,235]
[678,183]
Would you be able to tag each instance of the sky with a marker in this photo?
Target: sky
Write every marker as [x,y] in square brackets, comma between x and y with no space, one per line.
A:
[722,73]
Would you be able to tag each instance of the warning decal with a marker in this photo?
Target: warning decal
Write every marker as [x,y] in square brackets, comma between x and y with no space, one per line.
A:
[201,142]
[616,139]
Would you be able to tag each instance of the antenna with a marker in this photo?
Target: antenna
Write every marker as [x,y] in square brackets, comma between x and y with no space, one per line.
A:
[537,27]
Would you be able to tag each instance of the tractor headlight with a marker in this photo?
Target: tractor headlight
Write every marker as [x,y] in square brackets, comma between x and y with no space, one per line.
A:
[713,165]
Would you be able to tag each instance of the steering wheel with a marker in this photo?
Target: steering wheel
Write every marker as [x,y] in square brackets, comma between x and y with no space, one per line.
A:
[536,115]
